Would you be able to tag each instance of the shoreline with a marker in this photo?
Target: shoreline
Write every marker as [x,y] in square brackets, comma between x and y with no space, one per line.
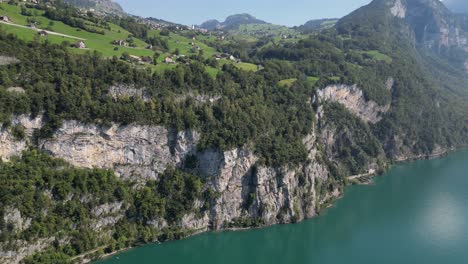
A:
[108,255]
[433,155]
[370,175]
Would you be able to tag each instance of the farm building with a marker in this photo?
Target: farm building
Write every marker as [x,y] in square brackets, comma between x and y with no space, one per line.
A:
[80,45]
[119,42]
[135,59]
[43,33]
[5,19]
[225,56]
[169,60]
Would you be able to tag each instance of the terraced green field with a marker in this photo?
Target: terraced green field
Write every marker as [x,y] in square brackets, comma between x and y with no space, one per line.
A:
[287,82]
[378,56]
[94,41]
[103,43]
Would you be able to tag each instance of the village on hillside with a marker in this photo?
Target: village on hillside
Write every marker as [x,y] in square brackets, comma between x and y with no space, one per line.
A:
[166,45]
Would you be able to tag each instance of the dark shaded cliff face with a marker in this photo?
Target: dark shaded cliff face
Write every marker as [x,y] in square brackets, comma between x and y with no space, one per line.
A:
[435,29]
[427,25]
[435,26]
[428,41]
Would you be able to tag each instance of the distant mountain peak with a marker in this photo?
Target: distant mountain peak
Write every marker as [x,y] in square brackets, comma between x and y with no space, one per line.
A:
[232,22]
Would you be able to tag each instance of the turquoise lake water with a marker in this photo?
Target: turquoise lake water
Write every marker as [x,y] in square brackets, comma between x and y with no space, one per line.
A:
[415,213]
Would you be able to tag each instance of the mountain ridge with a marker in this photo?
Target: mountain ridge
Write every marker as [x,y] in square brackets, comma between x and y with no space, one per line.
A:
[318,24]
[429,24]
[231,22]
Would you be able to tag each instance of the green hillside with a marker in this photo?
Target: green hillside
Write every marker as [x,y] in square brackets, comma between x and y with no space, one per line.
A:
[94,41]
[101,36]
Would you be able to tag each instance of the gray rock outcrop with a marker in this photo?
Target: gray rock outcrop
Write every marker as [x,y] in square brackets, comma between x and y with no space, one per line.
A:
[23,249]
[122,91]
[13,147]
[353,99]
[398,9]
[244,187]
[7,60]
[12,216]
[137,152]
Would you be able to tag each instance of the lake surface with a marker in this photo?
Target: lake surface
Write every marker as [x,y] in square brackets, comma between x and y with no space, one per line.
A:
[415,213]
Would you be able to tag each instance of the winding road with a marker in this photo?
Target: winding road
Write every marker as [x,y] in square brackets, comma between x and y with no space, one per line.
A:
[38,29]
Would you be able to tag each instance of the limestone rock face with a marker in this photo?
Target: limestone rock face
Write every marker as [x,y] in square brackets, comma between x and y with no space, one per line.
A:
[108,208]
[434,25]
[248,190]
[7,60]
[107,214]
[10,146]
[121,91]
[229,174]
[389,83]
[353,99]
[12,216]
[196,223]
[23,250]
[398,9]
[198,98]
[13,147]
[18,90]
[245,189]
[141,152]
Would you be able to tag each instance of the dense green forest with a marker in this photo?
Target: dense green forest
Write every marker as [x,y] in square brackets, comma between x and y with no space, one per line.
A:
[253,109]
[37,183]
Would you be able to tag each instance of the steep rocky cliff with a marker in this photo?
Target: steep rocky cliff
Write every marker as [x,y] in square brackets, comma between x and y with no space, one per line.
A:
[433,25]
[141,153]
[434,28]
[137,152]
[11,146]
[247,193]
[353,99]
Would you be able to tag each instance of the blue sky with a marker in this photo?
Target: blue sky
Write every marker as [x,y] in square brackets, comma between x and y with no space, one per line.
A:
[284,12]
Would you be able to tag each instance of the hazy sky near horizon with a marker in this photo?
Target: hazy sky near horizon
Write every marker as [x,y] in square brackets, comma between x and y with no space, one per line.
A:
[458,6]
[283,12]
